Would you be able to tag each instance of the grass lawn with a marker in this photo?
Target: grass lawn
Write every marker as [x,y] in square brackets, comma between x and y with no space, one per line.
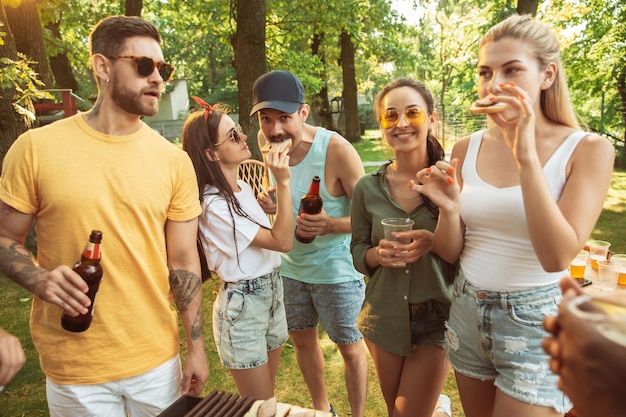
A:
[25,395]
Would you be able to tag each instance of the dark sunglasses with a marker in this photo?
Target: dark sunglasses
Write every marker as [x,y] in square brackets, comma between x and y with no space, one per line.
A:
[413,115]
[236,135]
[145,66]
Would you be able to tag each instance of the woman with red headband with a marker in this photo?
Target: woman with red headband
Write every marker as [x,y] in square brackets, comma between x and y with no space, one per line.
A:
[240,246]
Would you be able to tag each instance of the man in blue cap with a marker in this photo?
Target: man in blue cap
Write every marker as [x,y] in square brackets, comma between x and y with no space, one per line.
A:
[320,282]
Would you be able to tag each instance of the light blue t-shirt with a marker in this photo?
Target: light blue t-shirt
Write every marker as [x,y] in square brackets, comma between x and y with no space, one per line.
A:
[326,260]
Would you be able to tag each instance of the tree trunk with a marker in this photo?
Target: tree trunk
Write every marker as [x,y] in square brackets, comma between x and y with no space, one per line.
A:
[60,64]
[133,7]
[320,105]
[621,88]
[249,61]
[353,129]
[527,7]
[24,23]
[11,123]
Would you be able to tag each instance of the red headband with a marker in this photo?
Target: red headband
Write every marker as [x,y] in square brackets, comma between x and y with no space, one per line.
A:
[208,109]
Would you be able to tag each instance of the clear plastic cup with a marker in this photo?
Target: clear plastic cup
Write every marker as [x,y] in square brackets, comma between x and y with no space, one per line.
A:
[578,265]
[621,257]
[598,250]
[608,273]
[394,225]
[608,313]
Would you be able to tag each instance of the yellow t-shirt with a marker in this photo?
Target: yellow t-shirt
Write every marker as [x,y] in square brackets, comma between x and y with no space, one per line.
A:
[75,179]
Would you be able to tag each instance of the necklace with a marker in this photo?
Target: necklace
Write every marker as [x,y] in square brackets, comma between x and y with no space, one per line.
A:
[395,187]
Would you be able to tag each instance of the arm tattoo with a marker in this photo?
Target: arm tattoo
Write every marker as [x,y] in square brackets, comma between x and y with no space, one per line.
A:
[185,286]
[18,264]
[196,327]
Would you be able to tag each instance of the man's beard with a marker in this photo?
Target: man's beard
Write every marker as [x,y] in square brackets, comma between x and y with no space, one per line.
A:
[131,101]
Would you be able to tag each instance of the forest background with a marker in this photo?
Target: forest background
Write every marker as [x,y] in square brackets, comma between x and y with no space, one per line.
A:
[344,49]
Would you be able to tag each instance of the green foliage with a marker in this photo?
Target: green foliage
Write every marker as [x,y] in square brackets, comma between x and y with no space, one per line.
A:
[439,48]
[22,80]
[594,55]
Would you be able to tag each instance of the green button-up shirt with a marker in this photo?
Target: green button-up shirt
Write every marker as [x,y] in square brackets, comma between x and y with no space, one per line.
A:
[385,317]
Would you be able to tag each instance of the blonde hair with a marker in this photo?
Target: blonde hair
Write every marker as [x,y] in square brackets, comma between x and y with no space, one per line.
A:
[555,101]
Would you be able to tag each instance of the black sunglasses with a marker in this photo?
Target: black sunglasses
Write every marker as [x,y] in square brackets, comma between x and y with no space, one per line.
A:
[145,66]
[236,135]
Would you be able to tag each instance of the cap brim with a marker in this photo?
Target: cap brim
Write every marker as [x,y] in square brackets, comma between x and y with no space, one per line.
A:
[283,106]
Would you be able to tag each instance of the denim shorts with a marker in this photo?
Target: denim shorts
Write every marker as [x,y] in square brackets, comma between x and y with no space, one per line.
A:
[496,335]
[249,320]
[336,306]
[427,324]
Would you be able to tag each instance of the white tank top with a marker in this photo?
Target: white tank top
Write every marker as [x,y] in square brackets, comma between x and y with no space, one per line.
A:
[498,254]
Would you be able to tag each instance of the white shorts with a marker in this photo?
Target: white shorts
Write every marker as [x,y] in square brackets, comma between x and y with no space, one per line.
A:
[145,395]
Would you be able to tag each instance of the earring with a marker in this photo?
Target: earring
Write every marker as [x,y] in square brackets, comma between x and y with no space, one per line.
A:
[106,82]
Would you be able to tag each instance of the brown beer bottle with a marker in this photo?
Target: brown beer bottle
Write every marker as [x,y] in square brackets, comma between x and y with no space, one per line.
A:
[90,270]
[311,203]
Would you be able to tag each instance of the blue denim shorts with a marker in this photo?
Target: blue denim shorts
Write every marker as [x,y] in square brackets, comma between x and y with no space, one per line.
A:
[336,306]
[496,335]
[427,324]
[249,320]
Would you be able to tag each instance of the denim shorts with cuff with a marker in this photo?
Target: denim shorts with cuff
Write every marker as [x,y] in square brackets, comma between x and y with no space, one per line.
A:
[336,306]
[496,335]
[249,320]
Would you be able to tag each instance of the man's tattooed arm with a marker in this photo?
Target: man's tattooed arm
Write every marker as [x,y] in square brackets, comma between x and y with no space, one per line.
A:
[186,286]
[17,263]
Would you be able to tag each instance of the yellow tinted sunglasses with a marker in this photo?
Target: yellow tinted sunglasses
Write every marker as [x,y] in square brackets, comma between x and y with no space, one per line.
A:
[414,115]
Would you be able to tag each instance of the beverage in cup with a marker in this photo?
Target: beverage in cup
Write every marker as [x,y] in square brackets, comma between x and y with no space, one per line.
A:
[598,250]
[578,264]
[621,277]
[608,313]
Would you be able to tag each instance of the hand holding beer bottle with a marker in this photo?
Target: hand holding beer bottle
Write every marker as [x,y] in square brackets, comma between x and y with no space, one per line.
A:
[311,203]
[89,268]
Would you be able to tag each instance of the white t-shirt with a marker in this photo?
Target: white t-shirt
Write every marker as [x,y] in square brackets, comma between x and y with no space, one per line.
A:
[498,254]
[218,237]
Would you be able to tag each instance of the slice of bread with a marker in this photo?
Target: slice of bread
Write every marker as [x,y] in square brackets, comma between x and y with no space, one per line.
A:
[262,408]
[485,105]
[276,146]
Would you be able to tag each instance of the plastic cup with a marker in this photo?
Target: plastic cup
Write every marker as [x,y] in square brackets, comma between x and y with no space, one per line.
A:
[621,277]
[608,313]
[578,264]
[598,250]
[394,225]
[608,272]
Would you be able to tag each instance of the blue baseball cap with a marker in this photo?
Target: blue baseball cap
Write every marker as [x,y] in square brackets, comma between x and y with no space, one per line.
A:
[280,90]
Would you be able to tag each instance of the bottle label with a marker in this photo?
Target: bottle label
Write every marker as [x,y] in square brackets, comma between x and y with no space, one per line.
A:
[92,251]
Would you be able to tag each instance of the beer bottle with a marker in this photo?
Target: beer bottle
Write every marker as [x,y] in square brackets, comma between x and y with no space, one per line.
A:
[311,203]
[90,270]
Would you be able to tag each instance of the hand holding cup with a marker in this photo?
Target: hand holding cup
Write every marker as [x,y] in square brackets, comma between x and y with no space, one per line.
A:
[395,229]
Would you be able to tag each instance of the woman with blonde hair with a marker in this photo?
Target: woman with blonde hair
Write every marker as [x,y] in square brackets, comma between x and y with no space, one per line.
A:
[516,204]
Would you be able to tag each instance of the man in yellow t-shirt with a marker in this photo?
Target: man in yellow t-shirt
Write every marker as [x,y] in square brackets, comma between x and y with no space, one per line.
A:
[107,170]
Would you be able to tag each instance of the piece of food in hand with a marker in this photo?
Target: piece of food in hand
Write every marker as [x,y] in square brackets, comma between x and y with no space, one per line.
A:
[276,146]
[485,105]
